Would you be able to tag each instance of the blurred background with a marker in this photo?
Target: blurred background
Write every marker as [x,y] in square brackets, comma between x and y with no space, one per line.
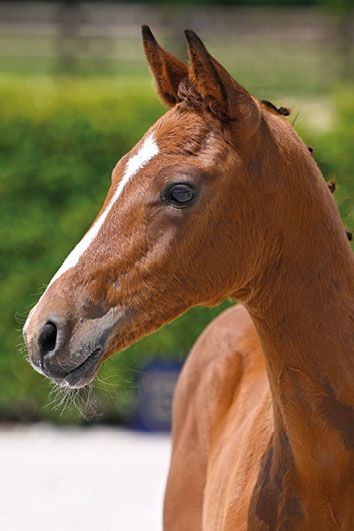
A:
[76,95]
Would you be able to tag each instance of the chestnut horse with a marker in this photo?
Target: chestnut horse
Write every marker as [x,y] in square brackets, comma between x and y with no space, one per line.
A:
[221,199]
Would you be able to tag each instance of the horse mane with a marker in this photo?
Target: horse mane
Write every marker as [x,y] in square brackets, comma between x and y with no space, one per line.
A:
[188,94]
[283,111]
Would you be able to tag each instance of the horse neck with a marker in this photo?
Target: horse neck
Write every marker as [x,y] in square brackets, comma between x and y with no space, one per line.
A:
[303,308]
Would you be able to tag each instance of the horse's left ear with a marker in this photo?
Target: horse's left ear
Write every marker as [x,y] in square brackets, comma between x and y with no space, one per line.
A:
[167,70]
[222,95]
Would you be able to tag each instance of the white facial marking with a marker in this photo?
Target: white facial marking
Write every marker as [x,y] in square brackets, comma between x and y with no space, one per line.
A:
[147,150]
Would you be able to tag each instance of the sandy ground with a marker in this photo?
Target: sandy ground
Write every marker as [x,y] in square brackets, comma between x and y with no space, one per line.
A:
[96,479]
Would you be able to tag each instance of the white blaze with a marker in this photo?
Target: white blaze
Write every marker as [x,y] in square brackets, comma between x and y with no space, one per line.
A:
[147,150]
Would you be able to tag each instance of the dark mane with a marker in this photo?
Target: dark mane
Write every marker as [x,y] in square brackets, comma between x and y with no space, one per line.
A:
[188,94]
[283,111]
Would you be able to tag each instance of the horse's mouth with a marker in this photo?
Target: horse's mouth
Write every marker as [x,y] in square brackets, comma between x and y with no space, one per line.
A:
[70,353]
[83,373]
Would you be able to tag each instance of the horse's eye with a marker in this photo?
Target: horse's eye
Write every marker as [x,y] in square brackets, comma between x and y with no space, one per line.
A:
[179,195]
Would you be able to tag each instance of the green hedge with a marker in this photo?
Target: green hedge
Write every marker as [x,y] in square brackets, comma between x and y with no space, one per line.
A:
[58,143]
[335,153]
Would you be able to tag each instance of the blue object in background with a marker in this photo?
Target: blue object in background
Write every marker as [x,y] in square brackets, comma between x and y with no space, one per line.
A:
[155,388]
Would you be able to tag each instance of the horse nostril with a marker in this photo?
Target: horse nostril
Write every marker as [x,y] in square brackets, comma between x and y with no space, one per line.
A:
[47,338]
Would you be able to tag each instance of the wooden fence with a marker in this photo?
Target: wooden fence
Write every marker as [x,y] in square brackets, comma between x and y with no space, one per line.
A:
[61,36]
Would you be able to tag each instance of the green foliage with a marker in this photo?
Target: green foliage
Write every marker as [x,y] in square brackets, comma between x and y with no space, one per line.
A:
[335,155]
[59,140]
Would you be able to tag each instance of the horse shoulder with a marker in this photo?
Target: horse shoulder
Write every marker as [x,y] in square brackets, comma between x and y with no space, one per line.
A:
[207,387]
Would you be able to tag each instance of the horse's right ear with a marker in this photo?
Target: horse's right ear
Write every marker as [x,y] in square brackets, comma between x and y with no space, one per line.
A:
[167,70]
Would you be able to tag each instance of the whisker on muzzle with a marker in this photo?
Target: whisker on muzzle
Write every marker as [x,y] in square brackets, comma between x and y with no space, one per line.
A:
[84,400]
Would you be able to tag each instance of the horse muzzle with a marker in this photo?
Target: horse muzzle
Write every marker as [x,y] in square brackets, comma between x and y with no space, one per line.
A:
[69,351]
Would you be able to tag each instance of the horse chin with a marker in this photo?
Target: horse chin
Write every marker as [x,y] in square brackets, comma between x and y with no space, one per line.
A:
[84,373]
